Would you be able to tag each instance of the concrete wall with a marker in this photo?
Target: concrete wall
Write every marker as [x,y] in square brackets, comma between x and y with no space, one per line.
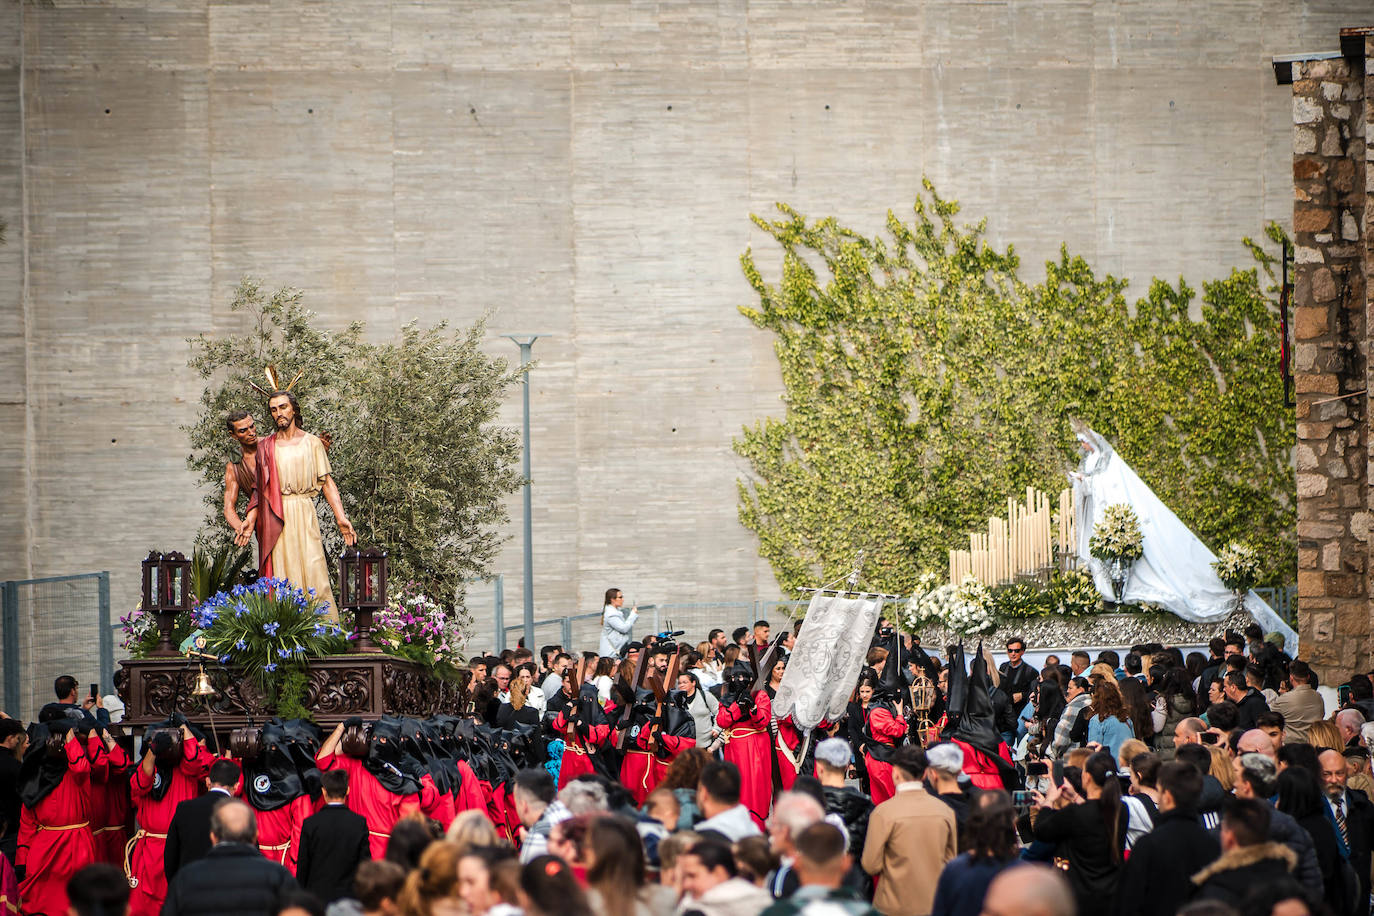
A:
[581,168]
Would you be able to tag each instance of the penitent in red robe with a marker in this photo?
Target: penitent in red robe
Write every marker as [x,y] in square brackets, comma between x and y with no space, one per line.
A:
[154,816]
[368,797]
[109,801]
[749,746]
[279,831]
[577,750]
[884,729]
[55,837]
[469,796]
[787,762]
[672,745]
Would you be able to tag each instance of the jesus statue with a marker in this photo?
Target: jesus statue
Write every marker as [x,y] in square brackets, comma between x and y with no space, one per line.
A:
[292,470]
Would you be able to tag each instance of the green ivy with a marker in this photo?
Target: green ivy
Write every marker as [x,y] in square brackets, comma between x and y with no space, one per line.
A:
[925,382]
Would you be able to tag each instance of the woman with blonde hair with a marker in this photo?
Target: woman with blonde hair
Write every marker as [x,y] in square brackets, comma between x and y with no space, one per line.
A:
[1324,735]
[428,889]
[471,829]
[1221,767]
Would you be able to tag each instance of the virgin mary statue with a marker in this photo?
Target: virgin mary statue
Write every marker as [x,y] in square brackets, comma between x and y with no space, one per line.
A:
[1176,571]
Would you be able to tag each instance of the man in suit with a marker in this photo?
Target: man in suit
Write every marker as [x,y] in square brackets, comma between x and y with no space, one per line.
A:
[334,843]
[1352,813]
[188,837]
[233,877]
[910,838]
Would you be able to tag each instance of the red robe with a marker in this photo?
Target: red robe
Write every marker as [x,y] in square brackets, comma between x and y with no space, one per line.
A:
[469,797]
[109,801]
[749,746]
[55,837]
[577,751]
[368,797]
[154,817]
[271,518]
[279,831]
[885,728]
[637,767]
[981,770]
[788,735]
[671,746]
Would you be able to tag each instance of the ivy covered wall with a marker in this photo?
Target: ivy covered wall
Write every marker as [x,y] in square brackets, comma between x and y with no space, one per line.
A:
[925,383]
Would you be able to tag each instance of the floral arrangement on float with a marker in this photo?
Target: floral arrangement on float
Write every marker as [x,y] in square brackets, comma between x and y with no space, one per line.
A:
[416,627]
[267,626]
[1239,569]
[1118,542]
[966,608]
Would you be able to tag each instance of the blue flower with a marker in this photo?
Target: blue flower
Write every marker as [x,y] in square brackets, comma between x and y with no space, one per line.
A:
[224,659]
[272,666]
[320,630]
[235,591]
[321,610]
[240,645]
[271,628]
[310,592]
[283,653]
[300,650]
[240,609]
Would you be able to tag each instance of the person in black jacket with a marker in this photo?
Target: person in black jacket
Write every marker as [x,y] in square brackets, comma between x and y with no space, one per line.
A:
[233,879]
[188,837]
[1247,859]
[333,842]
[1090,832]
[12,741]
[1249,701]
[1157,878]
[1017,677]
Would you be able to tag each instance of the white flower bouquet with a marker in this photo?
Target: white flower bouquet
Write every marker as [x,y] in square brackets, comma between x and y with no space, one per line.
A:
[1238,567]
[1117,536]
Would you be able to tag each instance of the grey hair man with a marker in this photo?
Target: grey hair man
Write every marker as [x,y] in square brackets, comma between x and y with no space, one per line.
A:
[233,876]
[792,813]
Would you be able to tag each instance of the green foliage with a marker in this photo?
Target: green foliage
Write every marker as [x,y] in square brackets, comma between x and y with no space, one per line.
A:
[421,466]
[217,572]
[291,695]
[925,383]
[1067,593]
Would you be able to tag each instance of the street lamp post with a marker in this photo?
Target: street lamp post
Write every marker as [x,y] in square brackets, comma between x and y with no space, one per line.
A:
[526,343]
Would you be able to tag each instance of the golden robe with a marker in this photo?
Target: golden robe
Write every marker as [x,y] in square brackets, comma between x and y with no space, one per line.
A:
[298,555]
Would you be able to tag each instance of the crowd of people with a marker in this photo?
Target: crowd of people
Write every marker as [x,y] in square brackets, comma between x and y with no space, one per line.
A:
[653,777]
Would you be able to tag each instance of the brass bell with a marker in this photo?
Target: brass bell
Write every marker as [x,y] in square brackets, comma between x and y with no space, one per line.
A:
[203,686]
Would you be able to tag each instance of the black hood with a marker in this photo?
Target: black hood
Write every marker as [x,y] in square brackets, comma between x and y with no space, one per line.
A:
[285,769]
[41,771]
[678,722]
[890,684]
[165,767]
[387,761]
[977,724]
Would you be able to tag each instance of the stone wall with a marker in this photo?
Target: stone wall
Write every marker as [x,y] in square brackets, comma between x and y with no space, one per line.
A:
[1330,361]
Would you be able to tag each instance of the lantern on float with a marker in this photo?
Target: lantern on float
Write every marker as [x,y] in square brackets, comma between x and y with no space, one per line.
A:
[166,593]
[362,590]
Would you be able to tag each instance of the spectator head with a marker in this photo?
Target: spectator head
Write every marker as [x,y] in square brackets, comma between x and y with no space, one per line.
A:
[1132,664]
[876,658]
[1180,786]
[377,884]
[616,865]
[833,757]
[435,879]
[1349,721]
[1271,723]
[1256,741]
[614,597]
[1255,776]
[663,806]
[469,830]
[1334,773]
[1079,661]
[909,763]
[502,677]
[991,826]
[821,856]
[299,903]
[335,785]
[716,638]
[718,787]
[548,888]
[13,736]
[1254,677]
[1051,661]
[1144,769]
[65,688]
[1245,822]
[1300,755]
[1128,751]
[671,849]
[1110,658]
[685,770]
[705,865]
[584,796]
[1077,687]
[1299,673]
[792,813]
[98,890]
[762,632]
[1189,731]
[1361,688]
[408,841]
[1236,686]
[1223,716]
[547,654]
[739,635]
[224,774]
[1234,645]
[1237,664]
[568,839]
[233,821]
[534,791]
[1030,890]
[1016,647]
[944,760]
[755,859]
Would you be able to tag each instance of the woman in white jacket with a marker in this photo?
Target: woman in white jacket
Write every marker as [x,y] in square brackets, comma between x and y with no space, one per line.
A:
[616,624]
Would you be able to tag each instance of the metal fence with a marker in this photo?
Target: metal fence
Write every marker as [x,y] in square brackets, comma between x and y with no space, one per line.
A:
[51,627]
[1284,601]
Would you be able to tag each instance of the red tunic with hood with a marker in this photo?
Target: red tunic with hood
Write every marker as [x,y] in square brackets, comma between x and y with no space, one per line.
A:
[748,746]
[382,808]
[55,836]
[885,728]
[154,816]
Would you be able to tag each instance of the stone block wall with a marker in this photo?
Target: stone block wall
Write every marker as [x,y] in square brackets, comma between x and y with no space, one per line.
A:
[1331,366]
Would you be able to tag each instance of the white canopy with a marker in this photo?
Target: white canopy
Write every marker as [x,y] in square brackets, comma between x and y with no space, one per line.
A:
[1176,571]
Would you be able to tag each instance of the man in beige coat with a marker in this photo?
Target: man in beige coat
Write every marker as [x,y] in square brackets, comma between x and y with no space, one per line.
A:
[1300,706]
[910,838]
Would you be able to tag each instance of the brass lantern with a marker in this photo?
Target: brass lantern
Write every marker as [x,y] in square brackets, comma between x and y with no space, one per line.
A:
[362,590]
[166,593]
